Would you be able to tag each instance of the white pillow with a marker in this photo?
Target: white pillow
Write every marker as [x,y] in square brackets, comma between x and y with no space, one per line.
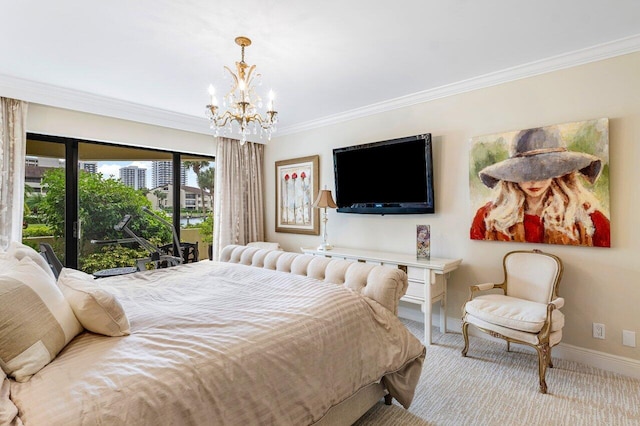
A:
[7,261]
[37,322]
[97,310]
[19,250]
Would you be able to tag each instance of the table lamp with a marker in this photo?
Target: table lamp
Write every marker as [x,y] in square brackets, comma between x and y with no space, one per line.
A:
[323,201]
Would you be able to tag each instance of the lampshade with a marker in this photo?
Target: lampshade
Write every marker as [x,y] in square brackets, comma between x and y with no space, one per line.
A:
[324,199]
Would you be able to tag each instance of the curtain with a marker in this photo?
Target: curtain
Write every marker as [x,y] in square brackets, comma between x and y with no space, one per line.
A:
[13,136]
[239,203]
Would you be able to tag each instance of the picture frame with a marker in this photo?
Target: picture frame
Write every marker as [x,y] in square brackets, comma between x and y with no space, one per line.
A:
[543,167]
[297,185]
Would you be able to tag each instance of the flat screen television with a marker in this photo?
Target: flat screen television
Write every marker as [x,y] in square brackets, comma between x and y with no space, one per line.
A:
[388,177]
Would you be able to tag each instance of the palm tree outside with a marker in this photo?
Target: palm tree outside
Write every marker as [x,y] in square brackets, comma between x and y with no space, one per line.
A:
[161,196]
[206,182]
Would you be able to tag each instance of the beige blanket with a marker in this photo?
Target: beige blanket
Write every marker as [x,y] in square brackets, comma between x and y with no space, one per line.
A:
[224,344]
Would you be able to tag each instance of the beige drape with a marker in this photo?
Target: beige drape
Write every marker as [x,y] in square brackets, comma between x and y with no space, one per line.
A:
[13,136]
[239,202]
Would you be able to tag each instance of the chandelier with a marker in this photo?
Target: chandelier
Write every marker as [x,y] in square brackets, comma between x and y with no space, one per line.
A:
[242,103]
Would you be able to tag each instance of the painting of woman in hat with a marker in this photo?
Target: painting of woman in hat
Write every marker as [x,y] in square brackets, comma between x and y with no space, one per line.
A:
[541,195]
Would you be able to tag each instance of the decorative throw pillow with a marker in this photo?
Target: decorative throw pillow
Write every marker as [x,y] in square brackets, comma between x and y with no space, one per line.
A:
[97,310]
[37,322]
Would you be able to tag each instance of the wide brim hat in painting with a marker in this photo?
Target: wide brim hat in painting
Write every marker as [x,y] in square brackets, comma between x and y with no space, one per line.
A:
[539,154]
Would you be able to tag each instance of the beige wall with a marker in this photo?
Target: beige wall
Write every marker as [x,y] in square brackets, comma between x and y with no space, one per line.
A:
[63,122]
[600,285]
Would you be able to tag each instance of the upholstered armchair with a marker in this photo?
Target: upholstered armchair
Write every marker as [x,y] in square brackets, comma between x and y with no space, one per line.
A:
[527,311]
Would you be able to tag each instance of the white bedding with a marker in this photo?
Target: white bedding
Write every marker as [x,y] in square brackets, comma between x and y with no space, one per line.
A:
[217,343]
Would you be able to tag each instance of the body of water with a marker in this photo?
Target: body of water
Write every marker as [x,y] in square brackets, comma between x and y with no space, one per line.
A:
[184,221]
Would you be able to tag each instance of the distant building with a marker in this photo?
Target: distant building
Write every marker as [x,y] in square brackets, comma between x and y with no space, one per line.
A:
[190,198]
[162,173]
[134,176]
[35,167]
[33,177]
[88,166]
[47,162]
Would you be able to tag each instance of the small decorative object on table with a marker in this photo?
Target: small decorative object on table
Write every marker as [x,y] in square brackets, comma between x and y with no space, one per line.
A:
[423,242]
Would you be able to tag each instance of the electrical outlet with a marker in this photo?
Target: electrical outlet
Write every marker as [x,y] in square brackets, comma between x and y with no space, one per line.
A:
[598,330]
[629,338]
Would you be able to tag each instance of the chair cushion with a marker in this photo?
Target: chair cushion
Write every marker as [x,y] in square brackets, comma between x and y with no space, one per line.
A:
[513,313]
[554,337]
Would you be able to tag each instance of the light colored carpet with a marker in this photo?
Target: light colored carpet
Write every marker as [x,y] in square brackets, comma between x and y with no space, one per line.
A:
[495,387]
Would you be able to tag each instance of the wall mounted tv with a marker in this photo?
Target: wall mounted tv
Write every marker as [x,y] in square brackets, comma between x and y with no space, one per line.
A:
[388,177]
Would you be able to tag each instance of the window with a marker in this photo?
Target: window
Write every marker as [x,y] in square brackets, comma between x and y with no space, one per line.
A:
[109,182]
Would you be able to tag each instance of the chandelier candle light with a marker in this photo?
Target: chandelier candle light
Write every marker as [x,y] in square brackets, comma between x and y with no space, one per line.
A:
[242,102]
[323,201]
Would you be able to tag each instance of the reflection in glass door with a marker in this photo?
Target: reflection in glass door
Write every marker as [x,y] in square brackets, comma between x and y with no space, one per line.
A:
[196,204]
[45,196]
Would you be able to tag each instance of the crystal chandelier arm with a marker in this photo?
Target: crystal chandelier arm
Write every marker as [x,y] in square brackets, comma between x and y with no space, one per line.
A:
[235,80]
[223,120]
[249,76]
[267,123]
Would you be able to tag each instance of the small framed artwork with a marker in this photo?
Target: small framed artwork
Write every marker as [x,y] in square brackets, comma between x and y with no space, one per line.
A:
[423,242]
[296,186]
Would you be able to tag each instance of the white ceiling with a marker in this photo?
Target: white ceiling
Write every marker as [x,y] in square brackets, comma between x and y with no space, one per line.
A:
[153,60]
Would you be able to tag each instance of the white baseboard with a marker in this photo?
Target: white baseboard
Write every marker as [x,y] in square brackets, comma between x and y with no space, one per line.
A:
[602,360]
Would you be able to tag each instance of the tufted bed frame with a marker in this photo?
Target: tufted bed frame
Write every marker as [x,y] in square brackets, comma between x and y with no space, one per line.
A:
[384,284]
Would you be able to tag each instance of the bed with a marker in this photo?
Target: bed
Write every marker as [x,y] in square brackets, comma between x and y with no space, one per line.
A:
[260,338]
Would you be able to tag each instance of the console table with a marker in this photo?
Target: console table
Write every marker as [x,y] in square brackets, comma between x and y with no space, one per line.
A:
[432,272]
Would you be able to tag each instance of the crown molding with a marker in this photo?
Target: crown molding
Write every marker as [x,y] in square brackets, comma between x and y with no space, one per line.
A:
[55,96]
[76,100]
[554,63]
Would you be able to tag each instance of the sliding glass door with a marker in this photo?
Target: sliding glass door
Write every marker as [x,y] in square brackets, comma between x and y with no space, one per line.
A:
[110,206]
